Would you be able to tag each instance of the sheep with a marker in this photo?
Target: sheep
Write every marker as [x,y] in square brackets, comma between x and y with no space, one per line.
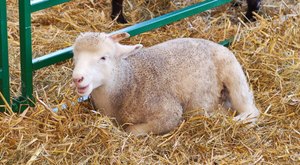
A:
[147,90]
[117,10]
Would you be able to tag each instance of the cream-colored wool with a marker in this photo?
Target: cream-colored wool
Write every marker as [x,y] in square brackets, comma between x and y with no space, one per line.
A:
[148,89]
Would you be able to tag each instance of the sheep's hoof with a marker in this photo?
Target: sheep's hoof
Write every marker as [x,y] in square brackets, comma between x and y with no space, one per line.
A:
[136,130]
[246,118]
[250,17]
[120,18]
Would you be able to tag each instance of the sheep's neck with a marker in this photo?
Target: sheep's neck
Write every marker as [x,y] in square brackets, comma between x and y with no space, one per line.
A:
[121,82]
[115,90]
[109,98]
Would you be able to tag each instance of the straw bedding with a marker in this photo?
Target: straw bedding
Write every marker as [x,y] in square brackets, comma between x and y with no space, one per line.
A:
[268,49]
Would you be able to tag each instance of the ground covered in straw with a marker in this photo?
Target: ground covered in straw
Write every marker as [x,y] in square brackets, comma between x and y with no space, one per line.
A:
[268,49]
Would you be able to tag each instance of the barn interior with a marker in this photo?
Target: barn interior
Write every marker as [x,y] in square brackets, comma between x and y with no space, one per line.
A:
[268,49]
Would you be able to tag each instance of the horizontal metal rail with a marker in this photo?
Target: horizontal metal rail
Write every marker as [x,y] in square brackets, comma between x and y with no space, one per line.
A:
[52,58]
[136,29]
[37,5]
[172,17]
[226,42]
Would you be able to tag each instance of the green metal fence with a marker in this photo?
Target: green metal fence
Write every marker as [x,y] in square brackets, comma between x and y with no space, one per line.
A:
[29,65]
[4,69]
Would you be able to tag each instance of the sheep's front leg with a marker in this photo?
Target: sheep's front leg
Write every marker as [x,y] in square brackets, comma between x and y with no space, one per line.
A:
[166,118]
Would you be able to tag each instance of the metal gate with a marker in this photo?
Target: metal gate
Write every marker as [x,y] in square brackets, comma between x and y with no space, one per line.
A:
[29,65]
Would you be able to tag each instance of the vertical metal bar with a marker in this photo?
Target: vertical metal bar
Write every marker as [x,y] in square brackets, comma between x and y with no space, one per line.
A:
[26,49]
[4,66]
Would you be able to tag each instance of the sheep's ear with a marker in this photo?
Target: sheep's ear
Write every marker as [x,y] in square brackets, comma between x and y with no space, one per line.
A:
[120,36]
[124,50]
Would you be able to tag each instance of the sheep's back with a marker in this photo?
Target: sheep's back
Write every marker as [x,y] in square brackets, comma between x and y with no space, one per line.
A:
[181,68]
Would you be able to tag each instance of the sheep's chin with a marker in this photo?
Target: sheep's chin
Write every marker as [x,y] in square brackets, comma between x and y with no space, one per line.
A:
[98,86]
[86,92]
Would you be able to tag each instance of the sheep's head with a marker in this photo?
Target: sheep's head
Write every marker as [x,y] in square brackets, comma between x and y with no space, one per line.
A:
[95,57]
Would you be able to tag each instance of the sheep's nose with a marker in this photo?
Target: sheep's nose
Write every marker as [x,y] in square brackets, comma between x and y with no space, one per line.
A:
[78,80]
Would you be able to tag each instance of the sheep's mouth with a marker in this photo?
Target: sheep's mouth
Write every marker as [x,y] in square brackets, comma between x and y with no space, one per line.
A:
[82,90]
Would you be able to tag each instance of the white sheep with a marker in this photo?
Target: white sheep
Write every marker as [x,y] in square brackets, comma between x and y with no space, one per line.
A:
[147,90]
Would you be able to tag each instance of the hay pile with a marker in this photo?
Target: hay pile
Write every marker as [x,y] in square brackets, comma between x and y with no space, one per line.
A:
[268,49]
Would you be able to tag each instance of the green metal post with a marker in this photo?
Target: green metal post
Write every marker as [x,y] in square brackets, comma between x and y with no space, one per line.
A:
[4,66]
[25,55]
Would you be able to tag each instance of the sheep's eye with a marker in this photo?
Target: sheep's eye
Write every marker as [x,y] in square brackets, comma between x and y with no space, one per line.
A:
[103,58]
